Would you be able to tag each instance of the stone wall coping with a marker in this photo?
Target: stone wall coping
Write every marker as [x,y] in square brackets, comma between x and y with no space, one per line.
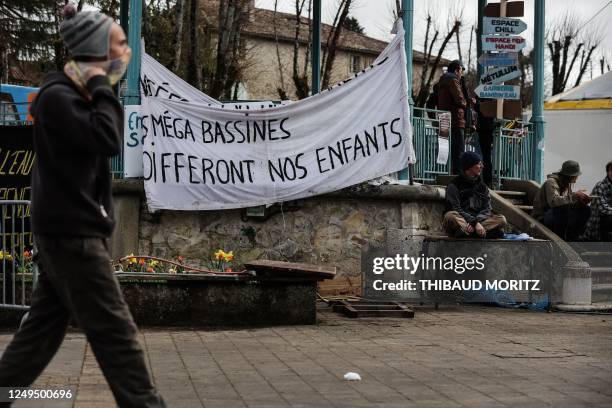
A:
[361,191]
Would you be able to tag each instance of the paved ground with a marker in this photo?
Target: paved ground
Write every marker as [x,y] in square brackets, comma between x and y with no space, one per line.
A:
[457,357]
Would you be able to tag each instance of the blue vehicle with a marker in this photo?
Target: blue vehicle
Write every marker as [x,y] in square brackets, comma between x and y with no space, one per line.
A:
[15,103]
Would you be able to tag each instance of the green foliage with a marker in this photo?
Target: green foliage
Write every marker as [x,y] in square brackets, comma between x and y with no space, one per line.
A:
[28,33]
[352,24]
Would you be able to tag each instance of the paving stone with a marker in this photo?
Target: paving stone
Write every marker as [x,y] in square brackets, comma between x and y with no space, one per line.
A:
[453,357]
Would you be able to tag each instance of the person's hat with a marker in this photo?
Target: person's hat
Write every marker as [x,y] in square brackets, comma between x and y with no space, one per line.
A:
[570,168]
[469,159]
[453,65]
[86,34]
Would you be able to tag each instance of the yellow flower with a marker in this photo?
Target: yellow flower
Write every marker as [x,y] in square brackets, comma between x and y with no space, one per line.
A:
[6,255]
[131,260]
[229,256]
[171,270]
[219,255]
[153,263]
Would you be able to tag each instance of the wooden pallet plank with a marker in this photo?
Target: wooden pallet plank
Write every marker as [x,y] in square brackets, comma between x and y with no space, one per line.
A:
[292,269]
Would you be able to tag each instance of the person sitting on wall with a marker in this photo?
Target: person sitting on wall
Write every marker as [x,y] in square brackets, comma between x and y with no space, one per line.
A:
[468,203]
[599,226]
[558,208]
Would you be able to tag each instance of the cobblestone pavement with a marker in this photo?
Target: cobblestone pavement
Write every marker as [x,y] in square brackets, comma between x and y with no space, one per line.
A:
[453,357]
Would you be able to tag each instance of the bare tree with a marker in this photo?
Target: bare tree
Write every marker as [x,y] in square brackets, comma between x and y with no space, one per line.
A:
[282,93]
[430,65]
[567,40]
[329,52]
[178,34]
[194,72]
[300,79]
[233,15]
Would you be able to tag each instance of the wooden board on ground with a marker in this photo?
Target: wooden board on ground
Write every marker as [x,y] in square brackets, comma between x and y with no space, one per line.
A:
[285,269]
[341,285]
[372,308]
[513,9]
[512,109]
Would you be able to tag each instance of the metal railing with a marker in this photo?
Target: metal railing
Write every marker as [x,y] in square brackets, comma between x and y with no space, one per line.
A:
[19,272]
[14,113]
[425,133]
[513,151]
[116,164]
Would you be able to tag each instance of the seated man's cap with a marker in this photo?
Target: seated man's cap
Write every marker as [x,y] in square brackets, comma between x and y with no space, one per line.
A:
[570,168]
[469,159]
[86,34]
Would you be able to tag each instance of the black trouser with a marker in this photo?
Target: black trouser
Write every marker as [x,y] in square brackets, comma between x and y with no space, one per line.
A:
[567,222]
[76,280]
[606,227]
[457,147]
[485,140]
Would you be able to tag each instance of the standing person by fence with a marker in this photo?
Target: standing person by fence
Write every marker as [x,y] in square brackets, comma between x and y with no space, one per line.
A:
[452,99]
[78,122]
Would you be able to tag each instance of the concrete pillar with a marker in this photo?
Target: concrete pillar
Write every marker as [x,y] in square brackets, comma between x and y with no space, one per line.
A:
[576,283]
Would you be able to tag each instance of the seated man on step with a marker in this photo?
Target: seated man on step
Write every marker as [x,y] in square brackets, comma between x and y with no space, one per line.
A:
[599,226]
[468,203]
[558,208]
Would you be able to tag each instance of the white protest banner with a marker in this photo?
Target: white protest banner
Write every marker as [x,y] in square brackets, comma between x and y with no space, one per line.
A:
[499,75]
[198,157]
[158,81]
[502,43]
[503,25]
[132,141]
[498,91]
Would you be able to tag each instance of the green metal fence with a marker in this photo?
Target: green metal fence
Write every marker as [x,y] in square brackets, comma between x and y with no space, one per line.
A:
[116,164]
[513,152]
[513,149]
[425,133]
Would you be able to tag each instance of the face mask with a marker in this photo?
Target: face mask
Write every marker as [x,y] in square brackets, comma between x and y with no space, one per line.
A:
[114,68]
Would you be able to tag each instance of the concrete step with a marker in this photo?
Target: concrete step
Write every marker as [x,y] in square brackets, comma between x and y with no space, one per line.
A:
[601,292]
[515,197]
[601,274]
[597,258]
[527,208]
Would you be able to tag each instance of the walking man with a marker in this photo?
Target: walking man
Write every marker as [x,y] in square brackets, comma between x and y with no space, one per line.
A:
[77,126]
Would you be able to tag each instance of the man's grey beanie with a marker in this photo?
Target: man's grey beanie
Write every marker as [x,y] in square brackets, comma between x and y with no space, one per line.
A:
[87,33]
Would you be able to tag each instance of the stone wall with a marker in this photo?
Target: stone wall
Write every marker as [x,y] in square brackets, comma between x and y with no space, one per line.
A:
[333,229]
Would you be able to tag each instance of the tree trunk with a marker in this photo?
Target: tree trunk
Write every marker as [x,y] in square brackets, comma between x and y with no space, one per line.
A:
[584,65]
[333,44]
[194,73]
[282,93]
[178,34]
[300,81]
[424,92]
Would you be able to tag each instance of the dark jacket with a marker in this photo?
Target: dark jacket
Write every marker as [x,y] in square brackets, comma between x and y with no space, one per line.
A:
[451,98]
[74,139]
[470,198]
[555,192]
